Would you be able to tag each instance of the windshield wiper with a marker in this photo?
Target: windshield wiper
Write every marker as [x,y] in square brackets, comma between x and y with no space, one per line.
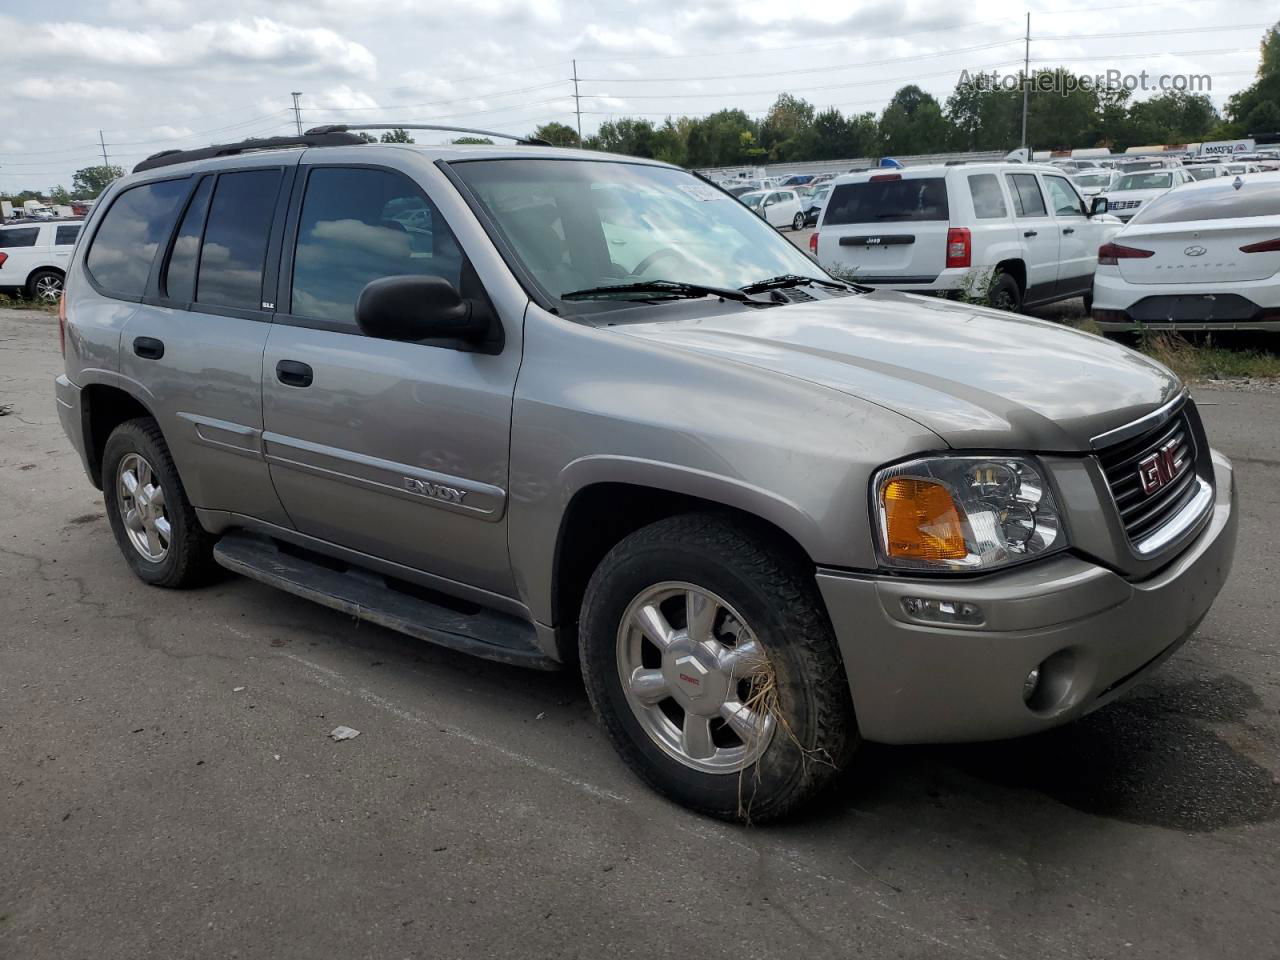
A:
[790,280]
[666,288]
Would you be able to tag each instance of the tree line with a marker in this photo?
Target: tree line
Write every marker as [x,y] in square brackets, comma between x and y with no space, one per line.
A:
[1063,112]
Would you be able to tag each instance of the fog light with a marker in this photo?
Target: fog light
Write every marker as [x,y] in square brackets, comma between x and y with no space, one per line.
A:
[941,611]
[1029,685]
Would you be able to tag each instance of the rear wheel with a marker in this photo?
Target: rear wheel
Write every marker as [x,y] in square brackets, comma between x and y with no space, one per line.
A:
[45,286]
[153,522]
[713,668]
[797,222]
[1004,293]
[1088,304]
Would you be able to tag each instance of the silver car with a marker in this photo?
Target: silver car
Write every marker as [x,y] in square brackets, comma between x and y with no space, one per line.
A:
[560,408]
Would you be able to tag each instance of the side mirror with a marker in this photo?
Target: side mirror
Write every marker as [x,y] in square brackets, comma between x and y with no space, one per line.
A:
[1099,205]
[418,308]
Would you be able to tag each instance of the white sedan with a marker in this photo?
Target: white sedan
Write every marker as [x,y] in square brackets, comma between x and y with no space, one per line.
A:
[781,208]
[1203,257]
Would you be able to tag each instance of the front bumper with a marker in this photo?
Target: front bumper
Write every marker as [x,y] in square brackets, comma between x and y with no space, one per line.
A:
[1092,633]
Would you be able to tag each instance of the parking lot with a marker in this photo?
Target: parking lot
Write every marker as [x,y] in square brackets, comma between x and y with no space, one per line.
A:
[170,788]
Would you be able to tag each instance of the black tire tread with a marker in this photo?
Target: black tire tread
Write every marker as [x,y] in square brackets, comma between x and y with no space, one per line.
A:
[790,586]
[193,563]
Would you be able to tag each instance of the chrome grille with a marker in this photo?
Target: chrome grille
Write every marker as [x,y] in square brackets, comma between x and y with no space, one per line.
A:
[1167,455]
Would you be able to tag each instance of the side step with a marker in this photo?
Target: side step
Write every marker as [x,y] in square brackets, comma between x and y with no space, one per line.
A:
[368,596]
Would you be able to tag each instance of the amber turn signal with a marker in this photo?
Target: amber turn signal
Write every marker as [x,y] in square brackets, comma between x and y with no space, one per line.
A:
[921,521]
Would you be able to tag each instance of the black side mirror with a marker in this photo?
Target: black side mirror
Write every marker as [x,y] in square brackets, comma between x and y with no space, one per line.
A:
[418,308]
[1099,205]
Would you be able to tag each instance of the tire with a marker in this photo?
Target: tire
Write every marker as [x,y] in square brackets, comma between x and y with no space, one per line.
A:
[797,222]
[1088,304]
[1005,294]
[183,557]
[44,286]
[765,595]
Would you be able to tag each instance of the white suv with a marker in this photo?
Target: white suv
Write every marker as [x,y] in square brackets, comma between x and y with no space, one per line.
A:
[1019,232]
[33,257]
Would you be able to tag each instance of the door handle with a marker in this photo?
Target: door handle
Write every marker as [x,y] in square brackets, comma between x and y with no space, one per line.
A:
[293,373]
[1029,233]
[1069,230]
[148,348]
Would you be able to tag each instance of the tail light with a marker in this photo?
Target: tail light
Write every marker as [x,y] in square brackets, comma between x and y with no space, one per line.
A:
[813,243]
[1113,253]
[1265,246]
[886,176]
[62,324]
[959,247]
[3,258]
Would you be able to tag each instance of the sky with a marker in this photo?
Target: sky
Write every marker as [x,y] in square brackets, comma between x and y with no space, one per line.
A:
[159,74]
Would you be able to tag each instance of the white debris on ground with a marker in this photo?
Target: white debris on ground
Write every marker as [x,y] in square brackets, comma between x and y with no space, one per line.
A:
[344,733]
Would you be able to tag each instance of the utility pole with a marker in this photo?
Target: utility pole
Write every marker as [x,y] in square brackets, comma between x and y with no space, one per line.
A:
[1026,80]
[297,113]
[103,142]
[577,101]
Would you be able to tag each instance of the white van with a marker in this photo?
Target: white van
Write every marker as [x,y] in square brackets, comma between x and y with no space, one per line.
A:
[1018,233]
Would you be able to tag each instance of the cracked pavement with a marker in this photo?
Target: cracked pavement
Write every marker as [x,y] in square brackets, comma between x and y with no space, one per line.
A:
[151,807]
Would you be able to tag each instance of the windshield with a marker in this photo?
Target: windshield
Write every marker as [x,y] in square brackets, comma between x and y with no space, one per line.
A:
[1145,181]
[1202,173]
[582,224]
[752,200]
[1092,179]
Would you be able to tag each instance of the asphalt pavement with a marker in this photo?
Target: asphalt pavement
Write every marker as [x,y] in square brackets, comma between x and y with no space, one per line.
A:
[168,787]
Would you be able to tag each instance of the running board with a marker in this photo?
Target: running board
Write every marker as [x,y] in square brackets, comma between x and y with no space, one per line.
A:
[368,596]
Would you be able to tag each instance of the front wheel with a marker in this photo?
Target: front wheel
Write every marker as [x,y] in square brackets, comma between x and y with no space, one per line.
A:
[797,222]
[713,668]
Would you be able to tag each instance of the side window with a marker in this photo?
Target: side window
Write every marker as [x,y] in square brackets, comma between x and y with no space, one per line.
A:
[361,224]
[138,223]
[235,239]
[1066,203]
[179,282]
[1027,199]
[22,237]
[66,236]
[988,199]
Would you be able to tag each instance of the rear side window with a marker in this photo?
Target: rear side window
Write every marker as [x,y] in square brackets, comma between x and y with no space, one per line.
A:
[1027,199]
[361,224]
[22,237]
[888,201]
[180,276]
[139,221]
[66,236]
[235,239]
[988,199]
[1219,201]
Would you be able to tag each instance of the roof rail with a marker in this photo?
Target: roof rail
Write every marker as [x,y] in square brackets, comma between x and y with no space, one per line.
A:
[323,138]
[344,127]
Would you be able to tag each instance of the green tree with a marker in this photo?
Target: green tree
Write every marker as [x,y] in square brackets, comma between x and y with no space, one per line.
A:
[557,134]
[725,138]
[91,181]
[398,135]
[472,140]
[787,131]
[1266,89]
[671,141]
[913,123]
[59,195]
[1174,117]
[1264,118]
[629,136]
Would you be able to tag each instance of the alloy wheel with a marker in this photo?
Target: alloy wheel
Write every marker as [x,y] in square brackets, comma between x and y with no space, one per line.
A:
[696,677]
[48,289]
[142,507]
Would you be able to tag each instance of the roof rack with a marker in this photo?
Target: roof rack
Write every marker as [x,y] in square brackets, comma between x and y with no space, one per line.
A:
[324,138]
[344,127]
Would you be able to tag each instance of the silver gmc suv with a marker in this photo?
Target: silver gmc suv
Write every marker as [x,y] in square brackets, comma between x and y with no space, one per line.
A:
[554,407]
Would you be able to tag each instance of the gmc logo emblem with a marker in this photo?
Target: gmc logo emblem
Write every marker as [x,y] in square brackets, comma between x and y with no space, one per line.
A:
[1160,468]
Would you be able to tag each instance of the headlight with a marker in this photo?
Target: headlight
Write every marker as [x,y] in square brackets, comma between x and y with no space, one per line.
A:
[965,514]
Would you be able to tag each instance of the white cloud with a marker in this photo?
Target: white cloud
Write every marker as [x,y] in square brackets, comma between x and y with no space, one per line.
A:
[67,88]
[259,40]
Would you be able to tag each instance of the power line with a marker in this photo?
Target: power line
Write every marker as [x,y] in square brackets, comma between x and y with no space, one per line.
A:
[444,103]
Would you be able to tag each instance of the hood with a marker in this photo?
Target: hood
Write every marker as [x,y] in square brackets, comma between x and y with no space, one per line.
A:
[976,377]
